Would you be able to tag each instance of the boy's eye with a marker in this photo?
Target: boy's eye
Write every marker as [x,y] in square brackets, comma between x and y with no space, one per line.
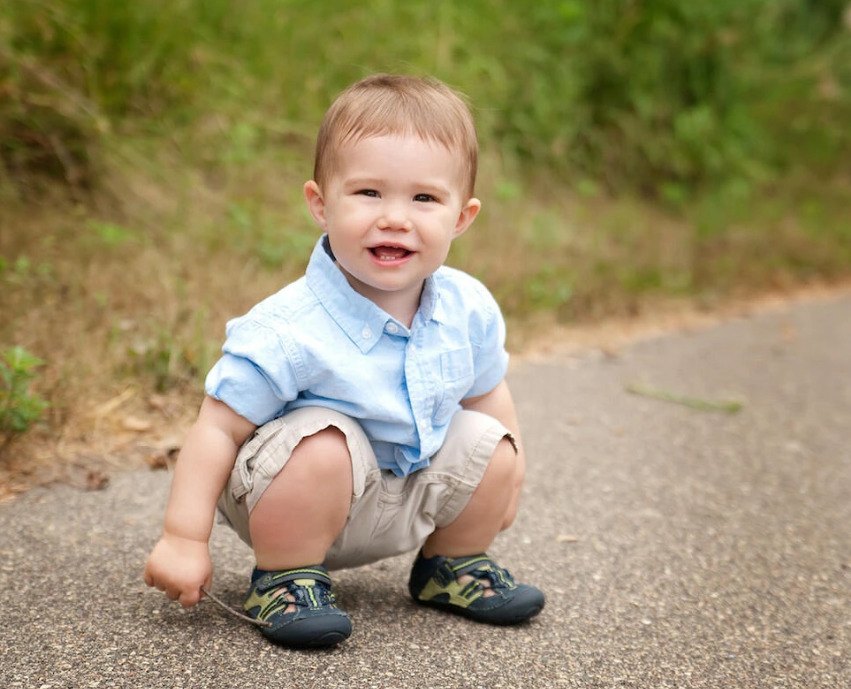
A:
[424,198]
[368,192]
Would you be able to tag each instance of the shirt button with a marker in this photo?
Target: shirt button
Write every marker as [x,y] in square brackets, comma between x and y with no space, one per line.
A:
[366,333]
[392,328]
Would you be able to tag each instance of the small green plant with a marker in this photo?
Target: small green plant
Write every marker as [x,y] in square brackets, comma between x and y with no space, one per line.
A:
[112,235]
[19,409]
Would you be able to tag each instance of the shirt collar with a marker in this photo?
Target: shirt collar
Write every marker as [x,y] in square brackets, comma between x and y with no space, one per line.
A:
[431,308]
[361,320]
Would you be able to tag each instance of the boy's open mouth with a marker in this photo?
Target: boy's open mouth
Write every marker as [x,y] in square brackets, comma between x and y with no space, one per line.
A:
[389,253]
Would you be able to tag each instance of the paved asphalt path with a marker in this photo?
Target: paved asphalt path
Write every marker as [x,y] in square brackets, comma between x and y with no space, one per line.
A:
[679,547]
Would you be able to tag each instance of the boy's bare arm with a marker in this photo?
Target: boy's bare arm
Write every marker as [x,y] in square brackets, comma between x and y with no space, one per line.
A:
[180,562]
[499,404]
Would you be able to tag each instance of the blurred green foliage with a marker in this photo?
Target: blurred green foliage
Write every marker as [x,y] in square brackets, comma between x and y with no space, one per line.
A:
[19,407]
[663,97]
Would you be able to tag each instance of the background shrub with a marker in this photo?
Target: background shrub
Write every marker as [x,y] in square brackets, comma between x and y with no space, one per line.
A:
[664,97]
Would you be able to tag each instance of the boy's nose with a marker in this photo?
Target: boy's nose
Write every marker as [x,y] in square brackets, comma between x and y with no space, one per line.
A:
[394,216]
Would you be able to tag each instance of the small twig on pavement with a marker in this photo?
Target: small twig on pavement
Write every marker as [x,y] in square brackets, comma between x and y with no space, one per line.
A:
[726,406]
[244,618]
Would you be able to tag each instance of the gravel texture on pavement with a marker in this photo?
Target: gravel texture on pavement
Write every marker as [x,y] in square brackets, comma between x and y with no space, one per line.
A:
[679,545]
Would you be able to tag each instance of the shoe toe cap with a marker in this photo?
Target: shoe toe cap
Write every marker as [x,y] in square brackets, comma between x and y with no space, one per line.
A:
[517,605]
[317,631]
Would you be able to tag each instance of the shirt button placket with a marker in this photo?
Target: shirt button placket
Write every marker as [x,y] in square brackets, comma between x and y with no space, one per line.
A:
[418,385]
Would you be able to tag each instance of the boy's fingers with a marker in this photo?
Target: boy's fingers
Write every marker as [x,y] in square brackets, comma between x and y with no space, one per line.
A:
[188,599]
[149,578]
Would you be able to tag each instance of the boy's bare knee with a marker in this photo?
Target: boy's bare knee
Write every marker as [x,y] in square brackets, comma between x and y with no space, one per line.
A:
[323,455]
[500,474]
[517,478]
[504,461]
[319,461]
[306,505]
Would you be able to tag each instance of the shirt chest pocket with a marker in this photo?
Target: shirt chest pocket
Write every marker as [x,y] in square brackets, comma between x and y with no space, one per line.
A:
[456,379]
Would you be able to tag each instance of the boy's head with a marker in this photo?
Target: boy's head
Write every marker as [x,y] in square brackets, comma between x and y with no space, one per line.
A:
[398,105]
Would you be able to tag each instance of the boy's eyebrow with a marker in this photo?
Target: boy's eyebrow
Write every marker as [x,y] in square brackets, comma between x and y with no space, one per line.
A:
[366,182]
[363,181]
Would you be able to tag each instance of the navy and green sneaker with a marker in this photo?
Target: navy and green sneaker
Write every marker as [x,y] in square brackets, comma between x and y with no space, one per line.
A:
[316,621]
[435,582]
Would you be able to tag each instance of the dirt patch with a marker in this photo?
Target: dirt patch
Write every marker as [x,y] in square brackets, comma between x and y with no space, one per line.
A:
[124,433]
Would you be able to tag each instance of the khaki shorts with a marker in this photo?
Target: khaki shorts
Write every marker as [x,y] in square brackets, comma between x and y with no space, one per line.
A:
[389,515]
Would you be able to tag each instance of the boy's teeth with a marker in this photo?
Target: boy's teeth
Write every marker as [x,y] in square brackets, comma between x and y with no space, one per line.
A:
[389,253]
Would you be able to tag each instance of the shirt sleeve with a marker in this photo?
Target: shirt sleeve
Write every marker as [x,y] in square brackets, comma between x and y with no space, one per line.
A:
[255,376]
[490,358]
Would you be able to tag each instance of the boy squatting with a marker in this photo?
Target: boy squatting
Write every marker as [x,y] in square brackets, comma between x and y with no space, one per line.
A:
[362,411]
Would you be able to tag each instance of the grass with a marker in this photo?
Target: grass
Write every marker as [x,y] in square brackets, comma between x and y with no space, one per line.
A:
[152,157]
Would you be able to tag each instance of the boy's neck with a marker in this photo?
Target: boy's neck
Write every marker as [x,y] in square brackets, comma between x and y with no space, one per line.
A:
[400,305]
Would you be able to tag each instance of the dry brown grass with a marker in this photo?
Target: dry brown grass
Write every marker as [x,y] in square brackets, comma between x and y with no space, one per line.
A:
[126,294]
[126,326]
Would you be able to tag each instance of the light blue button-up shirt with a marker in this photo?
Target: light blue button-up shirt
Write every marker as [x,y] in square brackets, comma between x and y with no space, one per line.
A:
[318,342]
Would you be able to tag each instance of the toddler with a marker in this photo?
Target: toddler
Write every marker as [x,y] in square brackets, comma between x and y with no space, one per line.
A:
[362,411]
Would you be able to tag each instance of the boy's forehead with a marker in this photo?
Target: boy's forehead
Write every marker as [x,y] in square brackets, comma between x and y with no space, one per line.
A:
[388,148]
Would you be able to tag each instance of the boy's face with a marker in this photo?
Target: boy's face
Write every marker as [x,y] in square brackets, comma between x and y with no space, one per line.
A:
[391,209]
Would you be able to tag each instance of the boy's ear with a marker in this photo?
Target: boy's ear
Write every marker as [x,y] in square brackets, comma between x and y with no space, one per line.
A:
[467,216]
[315,202]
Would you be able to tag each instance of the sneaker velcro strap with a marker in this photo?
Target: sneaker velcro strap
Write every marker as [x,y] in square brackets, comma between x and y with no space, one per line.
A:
[274,580]
[465,565]
[482,567]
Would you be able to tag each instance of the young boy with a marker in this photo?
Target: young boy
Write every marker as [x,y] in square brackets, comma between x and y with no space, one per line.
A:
[362,412]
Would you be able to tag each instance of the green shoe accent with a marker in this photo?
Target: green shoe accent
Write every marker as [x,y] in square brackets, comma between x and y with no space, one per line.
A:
[316,621]
[435,582]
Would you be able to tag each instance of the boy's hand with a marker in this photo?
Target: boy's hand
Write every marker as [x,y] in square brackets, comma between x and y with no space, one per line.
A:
[179,567]
[180,562]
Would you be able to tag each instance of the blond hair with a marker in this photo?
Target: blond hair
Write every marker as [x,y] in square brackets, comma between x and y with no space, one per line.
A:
[386,104]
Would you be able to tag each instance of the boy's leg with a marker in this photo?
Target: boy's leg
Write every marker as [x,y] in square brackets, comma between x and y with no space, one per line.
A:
[491,509]
[452,571]
[305,507]
[289,497]
[292,526]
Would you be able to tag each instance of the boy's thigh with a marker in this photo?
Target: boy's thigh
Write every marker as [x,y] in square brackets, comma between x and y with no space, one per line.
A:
[395,515]
[389,515]
[267,451]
